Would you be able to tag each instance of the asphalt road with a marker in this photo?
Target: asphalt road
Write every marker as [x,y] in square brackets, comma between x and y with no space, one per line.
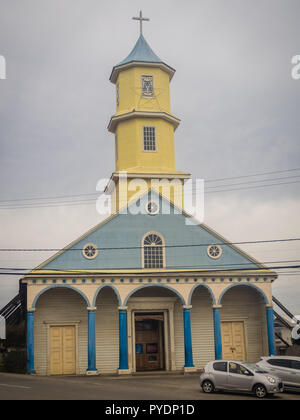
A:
[160,387]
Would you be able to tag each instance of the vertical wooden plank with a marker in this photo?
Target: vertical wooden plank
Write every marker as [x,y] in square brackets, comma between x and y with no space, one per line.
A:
[69,350]
[56,347]
[227,340]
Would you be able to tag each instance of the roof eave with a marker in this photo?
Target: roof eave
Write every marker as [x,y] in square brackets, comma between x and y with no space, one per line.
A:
[117,69]
[114,121]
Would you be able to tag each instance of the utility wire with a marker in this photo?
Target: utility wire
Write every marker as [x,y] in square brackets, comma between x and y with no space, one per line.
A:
[103,272]
[140,247]
[248,176]
[120,195]
[203,266]
[9,205]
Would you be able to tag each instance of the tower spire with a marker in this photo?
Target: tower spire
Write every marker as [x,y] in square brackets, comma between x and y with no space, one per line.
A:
[141,18]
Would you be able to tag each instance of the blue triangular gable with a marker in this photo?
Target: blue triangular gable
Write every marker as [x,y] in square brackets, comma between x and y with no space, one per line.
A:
[120,240]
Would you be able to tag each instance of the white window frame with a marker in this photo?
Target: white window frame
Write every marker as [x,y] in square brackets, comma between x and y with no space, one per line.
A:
[154,212]
[93,256]
[142,91]
[143,138]
[163,251]
[212,256]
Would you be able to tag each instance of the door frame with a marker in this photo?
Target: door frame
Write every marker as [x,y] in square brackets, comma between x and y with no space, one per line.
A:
[163,305]
[50,324]
[163,352]
[243,321]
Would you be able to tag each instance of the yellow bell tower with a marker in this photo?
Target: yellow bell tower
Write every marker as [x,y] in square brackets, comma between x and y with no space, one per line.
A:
[143,126]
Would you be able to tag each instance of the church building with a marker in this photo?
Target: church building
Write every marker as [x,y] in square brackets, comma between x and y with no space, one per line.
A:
[148,290]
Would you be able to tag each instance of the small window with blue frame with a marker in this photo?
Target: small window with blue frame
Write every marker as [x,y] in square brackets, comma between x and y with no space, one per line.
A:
[139,349]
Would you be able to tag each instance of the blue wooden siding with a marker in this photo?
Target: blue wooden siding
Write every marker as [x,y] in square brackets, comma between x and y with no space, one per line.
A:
[126,231]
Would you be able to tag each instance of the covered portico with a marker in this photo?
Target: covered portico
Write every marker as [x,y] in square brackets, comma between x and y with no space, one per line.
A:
[179,297]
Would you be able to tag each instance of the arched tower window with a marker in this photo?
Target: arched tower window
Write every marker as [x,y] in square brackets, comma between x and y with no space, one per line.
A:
[153,251]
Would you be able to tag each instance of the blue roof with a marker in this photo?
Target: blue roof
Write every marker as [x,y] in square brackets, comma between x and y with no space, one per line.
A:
[141,52]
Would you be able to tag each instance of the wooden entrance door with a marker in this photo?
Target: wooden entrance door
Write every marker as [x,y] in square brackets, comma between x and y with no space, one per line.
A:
[233,341]
[62,350]
[149,343]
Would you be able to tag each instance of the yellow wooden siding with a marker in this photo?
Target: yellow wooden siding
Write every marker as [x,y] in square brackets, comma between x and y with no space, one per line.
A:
[107,332]
[60,306]
[245,304]
[202,327]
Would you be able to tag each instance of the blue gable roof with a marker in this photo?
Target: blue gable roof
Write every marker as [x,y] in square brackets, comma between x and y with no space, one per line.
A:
[119,240]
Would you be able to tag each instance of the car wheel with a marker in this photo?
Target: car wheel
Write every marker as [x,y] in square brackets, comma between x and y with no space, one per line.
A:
[260,391]
[208,387]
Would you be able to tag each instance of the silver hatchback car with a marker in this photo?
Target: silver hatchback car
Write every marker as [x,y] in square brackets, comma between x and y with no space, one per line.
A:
[287,368]
[229,375]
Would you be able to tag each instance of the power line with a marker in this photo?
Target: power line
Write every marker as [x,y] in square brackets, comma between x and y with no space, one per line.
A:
[8,204]
[248,176]
[202,266]
[120,195]
[256,181]
[140,247]
[103,272]
[254,187]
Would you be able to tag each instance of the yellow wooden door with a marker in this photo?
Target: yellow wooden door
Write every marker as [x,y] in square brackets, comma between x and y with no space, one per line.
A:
[56,346]
[62,350]
[233,341]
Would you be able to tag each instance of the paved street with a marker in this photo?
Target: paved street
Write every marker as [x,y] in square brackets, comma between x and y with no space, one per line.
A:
[158,387]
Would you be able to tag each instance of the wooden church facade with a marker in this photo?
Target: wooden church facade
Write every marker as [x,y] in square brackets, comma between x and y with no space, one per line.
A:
[146,291]
[72,337]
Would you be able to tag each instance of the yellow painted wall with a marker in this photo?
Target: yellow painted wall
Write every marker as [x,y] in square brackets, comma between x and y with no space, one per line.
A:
[130,146]
[129,82]
[126,191]
[130,154]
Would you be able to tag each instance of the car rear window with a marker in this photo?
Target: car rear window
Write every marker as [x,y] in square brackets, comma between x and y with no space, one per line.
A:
[295,364]
[220,366]
[280,362]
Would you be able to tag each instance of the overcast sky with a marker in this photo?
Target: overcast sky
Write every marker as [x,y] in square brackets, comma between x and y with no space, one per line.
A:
[233,91]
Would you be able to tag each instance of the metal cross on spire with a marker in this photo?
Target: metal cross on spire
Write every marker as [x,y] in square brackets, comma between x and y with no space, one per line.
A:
[141,18]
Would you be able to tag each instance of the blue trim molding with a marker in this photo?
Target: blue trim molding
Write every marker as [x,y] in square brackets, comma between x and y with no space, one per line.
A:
[66,286]
[30,342]
[245,285]
[188,349]
[155,285]
[271,332]
[209,290]
[91,342]
[217,334]
[112,287]
[123,355]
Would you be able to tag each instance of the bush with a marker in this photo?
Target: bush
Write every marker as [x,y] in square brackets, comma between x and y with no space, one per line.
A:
[16,336]
[14,362]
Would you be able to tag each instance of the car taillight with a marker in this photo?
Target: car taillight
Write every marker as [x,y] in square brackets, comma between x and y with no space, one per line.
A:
[202,371]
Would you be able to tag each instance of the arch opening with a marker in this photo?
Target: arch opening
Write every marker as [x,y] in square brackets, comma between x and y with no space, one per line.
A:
[59,286]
